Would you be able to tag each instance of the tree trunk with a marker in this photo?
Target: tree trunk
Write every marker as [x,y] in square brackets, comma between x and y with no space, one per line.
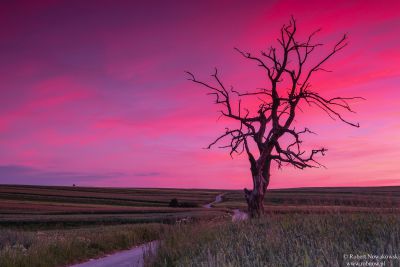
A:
[255,197]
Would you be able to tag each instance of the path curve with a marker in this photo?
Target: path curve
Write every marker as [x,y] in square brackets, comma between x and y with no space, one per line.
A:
[238,215]
[218,199]
[128,258]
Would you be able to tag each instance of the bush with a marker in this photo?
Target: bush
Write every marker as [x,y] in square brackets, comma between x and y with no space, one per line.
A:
[176,204]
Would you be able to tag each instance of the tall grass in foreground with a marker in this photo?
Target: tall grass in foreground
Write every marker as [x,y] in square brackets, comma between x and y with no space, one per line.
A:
[283,240]
[61,247]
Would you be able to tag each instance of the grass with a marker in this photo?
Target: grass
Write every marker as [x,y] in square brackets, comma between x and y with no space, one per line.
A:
[62,247]
[56,226]
[283,240]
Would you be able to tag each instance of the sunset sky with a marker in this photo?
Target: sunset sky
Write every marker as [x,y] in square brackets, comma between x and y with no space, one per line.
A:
[94,93]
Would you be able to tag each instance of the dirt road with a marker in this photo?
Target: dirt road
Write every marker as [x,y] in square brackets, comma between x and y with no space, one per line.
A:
[217,200]
[134,257]
[239,215]
[127,258]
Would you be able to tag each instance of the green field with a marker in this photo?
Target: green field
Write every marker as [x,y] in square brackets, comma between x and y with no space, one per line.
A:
[57,226]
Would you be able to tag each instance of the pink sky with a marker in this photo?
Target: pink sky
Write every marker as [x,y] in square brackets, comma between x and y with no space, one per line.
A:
[94,92]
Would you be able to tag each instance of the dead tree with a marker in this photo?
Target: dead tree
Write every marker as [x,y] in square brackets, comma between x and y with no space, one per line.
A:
[267,134]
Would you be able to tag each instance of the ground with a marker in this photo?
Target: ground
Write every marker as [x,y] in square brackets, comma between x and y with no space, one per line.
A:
[57,226]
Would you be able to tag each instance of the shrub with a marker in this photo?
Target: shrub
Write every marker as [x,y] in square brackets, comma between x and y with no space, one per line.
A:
[174,203]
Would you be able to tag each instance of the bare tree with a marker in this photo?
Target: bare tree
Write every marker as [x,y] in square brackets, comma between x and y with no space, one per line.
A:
[267,134]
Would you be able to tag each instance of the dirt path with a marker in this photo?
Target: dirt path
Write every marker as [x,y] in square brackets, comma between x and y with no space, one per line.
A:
[239,215]
[218,199]
[127,258]
[134,257]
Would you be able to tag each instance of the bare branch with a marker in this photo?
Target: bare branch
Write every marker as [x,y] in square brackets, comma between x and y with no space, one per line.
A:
[268,122]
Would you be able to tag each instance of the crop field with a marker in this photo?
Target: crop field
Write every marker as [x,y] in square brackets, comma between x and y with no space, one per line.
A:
[68,206]
[321,199]
[57,226]
[45,206]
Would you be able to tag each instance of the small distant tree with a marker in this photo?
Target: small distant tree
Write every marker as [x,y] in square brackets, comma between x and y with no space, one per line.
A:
[174,203]
[267,134]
